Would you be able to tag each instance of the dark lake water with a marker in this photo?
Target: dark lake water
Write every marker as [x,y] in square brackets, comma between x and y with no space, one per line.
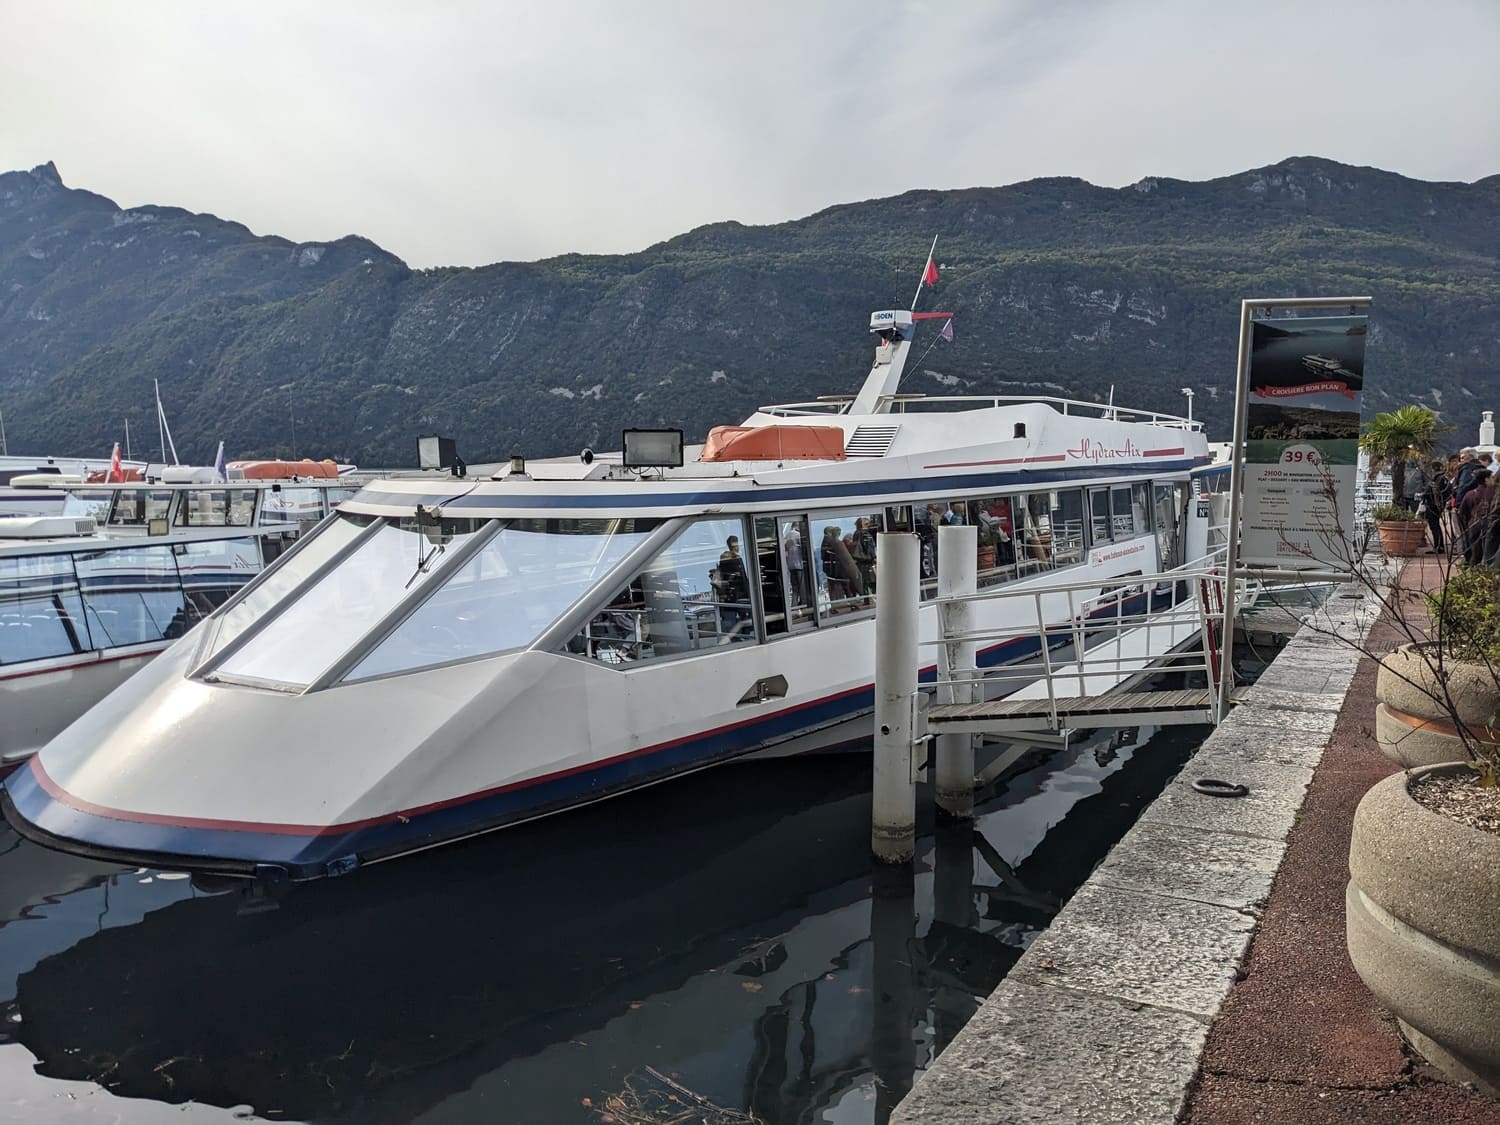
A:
[725,936]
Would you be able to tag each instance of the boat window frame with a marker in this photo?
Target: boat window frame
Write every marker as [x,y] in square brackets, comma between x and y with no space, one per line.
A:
[205,666]
[486,528]
[584,611]
[76,629]
[392,619]
[540,642]
[555,637]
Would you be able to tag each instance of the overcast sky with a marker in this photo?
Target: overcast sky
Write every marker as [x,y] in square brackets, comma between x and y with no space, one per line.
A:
[459,133]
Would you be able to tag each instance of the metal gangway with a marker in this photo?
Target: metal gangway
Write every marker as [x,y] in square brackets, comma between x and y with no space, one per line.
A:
[1089,648]
[1095,640]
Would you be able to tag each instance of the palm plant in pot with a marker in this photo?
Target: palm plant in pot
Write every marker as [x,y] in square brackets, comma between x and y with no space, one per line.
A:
[1394,441]
[1423,900]
[1402,531]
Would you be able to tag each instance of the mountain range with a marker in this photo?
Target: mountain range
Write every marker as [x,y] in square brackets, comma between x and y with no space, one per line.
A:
[1057,287]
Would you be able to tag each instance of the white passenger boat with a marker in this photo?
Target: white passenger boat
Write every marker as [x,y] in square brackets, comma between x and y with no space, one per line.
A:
[80,612]
[61,649]
[447,657]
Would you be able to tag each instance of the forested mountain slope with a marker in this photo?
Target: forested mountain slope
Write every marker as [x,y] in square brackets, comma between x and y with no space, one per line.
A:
[1058,287]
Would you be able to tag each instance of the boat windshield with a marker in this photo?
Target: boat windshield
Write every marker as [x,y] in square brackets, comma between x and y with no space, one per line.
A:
[290,571]
[520,582]
[521,576]
[93,503]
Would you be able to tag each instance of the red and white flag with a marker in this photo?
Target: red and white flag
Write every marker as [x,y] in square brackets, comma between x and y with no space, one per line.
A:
[116,470]
[947,332]
[929,275]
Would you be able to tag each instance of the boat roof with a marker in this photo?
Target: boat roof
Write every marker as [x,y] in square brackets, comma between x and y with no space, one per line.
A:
[927,446]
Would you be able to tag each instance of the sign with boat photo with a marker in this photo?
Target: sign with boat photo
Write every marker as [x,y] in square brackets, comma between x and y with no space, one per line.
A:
[1302,439]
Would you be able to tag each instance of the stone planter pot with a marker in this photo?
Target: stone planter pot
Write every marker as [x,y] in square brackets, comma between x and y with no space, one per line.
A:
[1411,727]
[1399,538]
[1420,915]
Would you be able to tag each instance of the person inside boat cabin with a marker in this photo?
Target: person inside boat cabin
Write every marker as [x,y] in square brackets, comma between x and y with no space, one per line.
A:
[732,585]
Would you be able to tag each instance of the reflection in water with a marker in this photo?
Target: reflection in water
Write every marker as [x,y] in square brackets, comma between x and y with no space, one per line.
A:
[728,931]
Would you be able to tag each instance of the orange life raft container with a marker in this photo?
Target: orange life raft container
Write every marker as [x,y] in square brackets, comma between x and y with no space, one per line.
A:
[774,443]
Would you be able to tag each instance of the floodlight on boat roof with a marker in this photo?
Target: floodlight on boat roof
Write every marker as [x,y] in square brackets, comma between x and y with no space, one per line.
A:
[651,449]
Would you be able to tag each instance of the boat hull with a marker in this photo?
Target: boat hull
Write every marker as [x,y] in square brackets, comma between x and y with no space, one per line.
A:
[428,758]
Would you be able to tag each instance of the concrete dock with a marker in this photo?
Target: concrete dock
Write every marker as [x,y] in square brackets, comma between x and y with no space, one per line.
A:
[1200,973]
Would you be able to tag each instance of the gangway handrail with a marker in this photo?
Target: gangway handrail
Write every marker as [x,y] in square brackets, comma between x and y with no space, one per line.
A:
[1098,641]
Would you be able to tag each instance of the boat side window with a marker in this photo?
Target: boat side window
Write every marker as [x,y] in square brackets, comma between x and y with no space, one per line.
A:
[995,520]
[1122,513]
[799,555]
[92,504]
[1099,523]
[211,570]
[929,517]
[518,583]
[137,507]
[308,635]
[291,505]
[288,574]
[41,614]
[1066,520]
[773,581]
[132,595]
[217,507]
[1140,507]
[693,596]
[845,566]
[1168,537]
[1035,510]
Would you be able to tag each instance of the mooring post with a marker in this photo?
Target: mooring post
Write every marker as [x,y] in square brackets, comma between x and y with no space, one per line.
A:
[893,826]
[957,574]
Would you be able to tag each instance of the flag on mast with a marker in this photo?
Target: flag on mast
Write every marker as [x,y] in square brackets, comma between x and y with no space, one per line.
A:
[220,473]
[929,274]
[947,332]
[116,470]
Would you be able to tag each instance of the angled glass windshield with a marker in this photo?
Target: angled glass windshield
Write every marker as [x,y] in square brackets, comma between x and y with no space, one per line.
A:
[323,623]
[520,582]
[288,573]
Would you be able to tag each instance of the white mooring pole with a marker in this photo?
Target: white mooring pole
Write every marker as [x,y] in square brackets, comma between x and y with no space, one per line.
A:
[893,826]
[958,573]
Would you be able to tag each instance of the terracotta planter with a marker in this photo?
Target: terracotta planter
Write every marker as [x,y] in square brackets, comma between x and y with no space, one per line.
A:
[1420,915]
[985,559]
[1399,538]
[1414,729]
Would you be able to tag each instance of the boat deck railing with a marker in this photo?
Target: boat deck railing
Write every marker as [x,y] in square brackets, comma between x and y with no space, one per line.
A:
[826,405]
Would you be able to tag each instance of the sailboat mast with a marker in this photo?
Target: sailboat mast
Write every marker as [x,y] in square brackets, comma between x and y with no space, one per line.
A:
[127,439]
[161,433]
[4,446]
[164,431]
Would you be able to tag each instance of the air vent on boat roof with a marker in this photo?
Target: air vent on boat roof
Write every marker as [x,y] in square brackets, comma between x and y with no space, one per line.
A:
[870,441]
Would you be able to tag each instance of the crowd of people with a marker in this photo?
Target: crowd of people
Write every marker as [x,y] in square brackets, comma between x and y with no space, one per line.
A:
[1456,498]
